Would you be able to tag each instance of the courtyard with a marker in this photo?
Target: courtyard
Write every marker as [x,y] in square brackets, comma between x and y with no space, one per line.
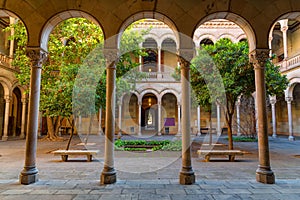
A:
[157,179]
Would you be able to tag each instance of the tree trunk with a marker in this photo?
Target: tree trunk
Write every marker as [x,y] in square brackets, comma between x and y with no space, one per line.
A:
[51,134]
[229,132]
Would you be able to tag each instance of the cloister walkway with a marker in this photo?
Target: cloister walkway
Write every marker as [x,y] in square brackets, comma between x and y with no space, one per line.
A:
[220,179]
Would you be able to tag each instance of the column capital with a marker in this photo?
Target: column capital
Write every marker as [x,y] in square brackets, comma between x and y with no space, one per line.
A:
[24,100]
[273,100]
[184,57]
[111,55]
[289,99]
[259,57]
[7,99]
[37,56]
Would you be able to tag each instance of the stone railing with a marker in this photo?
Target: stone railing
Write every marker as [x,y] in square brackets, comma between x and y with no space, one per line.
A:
[6,61]
[289,63]
[158,76]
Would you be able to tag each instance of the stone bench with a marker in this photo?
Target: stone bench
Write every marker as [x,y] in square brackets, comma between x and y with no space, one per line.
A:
[230,153]
[65,153]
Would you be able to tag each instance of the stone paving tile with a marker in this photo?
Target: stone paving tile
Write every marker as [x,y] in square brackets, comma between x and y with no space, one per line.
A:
[15,192]
[154,197]
[235,191]
[106,191]
[203,191]
[74,191]
[87,197]
[263,191]
[191,197]
[171,191]
[36,197]
[137,191]
[43,191]
[119,197]
[227,197]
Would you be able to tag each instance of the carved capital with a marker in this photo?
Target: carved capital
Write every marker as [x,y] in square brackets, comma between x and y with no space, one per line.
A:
[273,100]
[111,56]
[289,99]
[24,100]
[37,56]
[7,99]
[259,57]
[185,56]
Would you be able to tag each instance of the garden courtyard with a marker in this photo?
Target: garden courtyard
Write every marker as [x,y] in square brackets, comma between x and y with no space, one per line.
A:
[150,175]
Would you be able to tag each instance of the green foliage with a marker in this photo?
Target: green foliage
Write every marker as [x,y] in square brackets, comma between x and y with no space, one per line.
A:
[244,139]
[173,146]
[139,145]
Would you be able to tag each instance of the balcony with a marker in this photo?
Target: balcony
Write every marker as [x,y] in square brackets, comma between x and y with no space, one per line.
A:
[289,63]
[158,77]
[6,61]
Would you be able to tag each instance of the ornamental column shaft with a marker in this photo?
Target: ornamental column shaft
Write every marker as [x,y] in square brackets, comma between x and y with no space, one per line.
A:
[6,118]
[284,28]
[264,174]
[178,119]
[108,175]
[290,117]
[100,121]
[238,118]
[140,119]
[198,120]
[218,119]
[159,118]
[120,118]
[23,122]
[30,173]
[273,102]
[187,175]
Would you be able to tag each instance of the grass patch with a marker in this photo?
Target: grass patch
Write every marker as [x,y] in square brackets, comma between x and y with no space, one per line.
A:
[243,139]
[143,145]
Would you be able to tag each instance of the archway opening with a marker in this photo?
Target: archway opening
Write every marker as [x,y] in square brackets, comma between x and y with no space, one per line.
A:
[170,115]
[149,114]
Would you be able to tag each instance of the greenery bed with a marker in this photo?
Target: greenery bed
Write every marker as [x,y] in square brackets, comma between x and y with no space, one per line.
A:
[143,145]
[244,139]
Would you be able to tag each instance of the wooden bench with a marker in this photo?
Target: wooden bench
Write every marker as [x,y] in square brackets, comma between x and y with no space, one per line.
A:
[230,153]
[65,153]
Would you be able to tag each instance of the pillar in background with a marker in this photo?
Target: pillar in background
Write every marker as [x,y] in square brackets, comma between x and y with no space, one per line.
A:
[8,100]
[290,117]
[23,123]
[273,102]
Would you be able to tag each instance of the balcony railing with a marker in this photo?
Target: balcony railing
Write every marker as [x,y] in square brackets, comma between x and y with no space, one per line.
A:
[158,76]
[6,61]
[289,63]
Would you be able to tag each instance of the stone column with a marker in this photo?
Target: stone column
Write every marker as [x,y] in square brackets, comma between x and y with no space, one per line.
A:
[284,28]
[159,60]
[187,175]
[178,119]
[273,102]
[218,119]
[108,175]
[140,119]
[238,120]
[264,174]
[23,123]
[30,173]
[141,64]
[8,100]
[159,118]
[100,122]
[198,120]
[12,20]
[290,117]
[120,118]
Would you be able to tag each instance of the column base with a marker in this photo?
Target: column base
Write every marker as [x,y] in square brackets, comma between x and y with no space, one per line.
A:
[28,176]
[291,138]
[187,178]
[4,138]
[22,136]
[264,175]
[274,136]
[108,176]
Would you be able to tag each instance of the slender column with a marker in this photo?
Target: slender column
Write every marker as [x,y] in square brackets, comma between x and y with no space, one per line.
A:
[100,122]
[218,119]
[284,28]
[30,173]
[270,44]
[6,117]
[290,117]
[12,20]
[273,102]
[187,175]
[238,120]
[264,174]
[23,123]
[178,119]
[108,175]
[159,118]
[159,60]
[198,121]
[120,118]
[140,119]
[2,102]
[141,64]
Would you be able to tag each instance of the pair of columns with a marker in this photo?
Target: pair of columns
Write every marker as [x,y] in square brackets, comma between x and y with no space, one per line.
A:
[8,101]
[140,118]
[219,131]
[259,57]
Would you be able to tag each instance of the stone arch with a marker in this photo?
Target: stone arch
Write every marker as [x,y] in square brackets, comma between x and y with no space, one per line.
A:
[228,36]
[168,36]
[58,18]
[170,91]
[6,86]
[151,15]
[239,20]
[146,91]
[290,88]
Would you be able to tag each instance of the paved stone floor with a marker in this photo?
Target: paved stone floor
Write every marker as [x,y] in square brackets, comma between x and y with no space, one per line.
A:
[152,175]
